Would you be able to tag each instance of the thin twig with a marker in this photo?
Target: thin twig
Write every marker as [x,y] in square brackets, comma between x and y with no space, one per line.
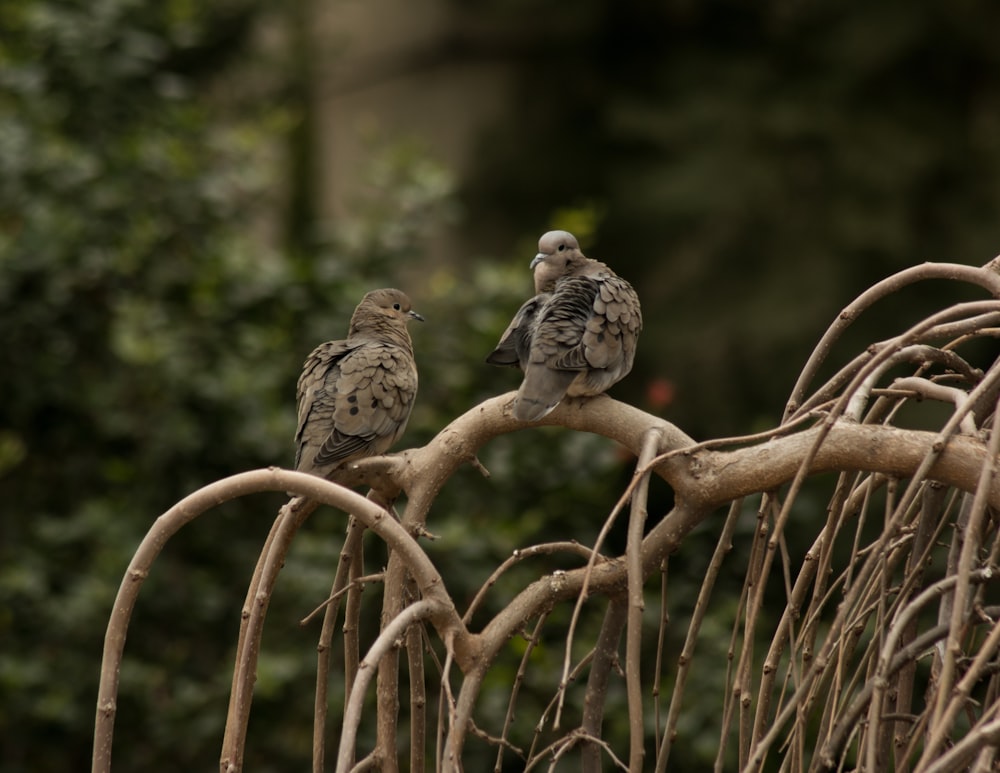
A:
[348,553]
[972,275]
[562,745]
[929,460]
[516,689]
[418,691]
[338,592]
[522,554]
[940,721]
[386,641]
[605,658]
[582,597]
[637,603]
[722,548]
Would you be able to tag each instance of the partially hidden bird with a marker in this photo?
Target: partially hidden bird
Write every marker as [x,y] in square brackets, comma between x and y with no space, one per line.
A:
[355,395]
[577,335]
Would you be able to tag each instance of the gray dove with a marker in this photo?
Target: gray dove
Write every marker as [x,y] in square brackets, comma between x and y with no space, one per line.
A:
[355,395]
[576,336]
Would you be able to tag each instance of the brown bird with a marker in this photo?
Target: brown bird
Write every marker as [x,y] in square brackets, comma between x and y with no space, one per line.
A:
[355,395]
[576,336]
[515,344]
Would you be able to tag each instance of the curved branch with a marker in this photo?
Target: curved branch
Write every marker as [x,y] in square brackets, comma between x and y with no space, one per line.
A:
[386,641]
[445,617]
[979,737]
[705,480]
[702,480]
[955,332]
[984,277]
[522,554]
[636,600]
[714,478]
[289,520]
[423,471]
[343,582]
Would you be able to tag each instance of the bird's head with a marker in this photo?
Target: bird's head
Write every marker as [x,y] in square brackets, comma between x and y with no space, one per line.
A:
[558,255]
[387,304]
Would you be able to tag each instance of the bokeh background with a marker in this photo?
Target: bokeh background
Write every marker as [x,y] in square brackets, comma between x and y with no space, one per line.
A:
[193,195]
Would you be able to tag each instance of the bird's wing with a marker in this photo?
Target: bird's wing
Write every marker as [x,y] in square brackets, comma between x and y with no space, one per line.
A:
[515,343]
[374,392]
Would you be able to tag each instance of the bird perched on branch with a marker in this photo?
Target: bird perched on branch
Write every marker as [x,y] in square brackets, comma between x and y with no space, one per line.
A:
[355,395]
[576,336]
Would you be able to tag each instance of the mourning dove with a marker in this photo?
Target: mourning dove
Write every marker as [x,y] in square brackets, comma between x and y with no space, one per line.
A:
[355,395]
[515,343]
[576,336]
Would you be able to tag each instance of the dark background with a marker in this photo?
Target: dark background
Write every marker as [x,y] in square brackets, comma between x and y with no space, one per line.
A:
[165,268]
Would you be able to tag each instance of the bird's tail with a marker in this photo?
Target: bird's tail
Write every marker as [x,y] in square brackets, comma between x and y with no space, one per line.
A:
[540,391]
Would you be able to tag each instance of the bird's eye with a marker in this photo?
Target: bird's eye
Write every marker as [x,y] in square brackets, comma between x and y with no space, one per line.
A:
[396,306]
[562,247]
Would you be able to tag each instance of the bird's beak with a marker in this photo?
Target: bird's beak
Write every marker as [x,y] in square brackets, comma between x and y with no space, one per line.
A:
[537,259]
[413,315]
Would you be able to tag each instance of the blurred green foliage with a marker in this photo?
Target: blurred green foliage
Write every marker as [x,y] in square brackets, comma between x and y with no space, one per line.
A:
[750,167]
[142,326]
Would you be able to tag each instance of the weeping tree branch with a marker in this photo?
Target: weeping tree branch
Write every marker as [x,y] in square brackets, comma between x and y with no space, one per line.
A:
[847,639]
[984,277]
[702,481]
[203,500]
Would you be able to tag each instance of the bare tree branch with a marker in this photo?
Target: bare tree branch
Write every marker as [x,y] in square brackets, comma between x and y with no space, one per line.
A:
[986,279]
[841,614]
[637,600]
[387,640]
